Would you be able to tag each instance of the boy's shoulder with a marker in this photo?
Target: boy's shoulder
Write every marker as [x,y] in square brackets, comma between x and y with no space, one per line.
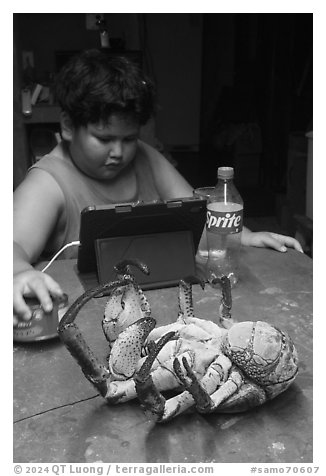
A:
[56,159]
[149,152]
[58,152]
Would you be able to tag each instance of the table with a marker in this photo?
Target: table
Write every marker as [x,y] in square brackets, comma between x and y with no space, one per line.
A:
[60,417]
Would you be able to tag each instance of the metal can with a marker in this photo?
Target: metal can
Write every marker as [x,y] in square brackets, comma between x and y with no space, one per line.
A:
[43,325]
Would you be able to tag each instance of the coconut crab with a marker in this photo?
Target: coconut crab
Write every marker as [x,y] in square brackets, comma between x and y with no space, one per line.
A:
[223,367]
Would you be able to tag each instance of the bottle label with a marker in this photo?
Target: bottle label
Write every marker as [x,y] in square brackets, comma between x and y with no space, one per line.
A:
[224,222]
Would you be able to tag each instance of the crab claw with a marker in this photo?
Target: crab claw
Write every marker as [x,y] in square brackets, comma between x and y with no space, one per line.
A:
[126,304]
[71,336]
[126,350]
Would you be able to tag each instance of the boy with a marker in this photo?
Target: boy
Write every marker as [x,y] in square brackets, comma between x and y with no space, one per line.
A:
[100,160]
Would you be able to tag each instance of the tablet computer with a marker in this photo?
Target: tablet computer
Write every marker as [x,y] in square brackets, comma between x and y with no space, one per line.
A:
[165,235]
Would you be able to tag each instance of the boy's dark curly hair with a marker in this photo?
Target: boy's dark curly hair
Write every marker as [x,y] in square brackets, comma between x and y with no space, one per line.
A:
[94,85]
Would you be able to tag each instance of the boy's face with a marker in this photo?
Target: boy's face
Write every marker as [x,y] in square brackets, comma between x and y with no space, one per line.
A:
[102,151]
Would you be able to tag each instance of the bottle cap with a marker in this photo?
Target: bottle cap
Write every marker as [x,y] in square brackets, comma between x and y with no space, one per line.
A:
[225,172]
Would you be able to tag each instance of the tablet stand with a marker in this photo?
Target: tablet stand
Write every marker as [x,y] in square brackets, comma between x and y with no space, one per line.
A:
[170,256]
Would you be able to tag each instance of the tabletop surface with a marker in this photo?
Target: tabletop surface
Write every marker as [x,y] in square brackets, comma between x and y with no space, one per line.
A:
[60,417]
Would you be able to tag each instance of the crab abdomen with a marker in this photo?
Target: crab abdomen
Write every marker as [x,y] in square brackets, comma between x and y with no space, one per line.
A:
[248,396]
[264,353]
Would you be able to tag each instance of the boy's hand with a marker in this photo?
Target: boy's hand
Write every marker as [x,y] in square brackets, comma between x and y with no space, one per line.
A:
[266,239]
[33,283]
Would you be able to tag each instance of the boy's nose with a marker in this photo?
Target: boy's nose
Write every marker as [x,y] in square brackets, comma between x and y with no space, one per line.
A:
[116,149]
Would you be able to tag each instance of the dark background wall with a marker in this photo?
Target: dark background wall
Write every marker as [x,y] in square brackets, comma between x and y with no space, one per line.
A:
[233,89]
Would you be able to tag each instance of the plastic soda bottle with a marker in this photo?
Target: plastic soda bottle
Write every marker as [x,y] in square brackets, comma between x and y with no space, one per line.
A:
[224,227]
[202,253]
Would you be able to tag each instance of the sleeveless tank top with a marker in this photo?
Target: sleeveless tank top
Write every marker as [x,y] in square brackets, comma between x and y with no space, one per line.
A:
[81,191]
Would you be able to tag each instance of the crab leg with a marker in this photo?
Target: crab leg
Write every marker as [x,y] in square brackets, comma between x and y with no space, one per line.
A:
[148,384]
[148,394]
[186,313]
[171,407]
[165,409]
[225,319]
[214,377]
[207,400]
[186,310]
[186,307]
[233,395]
[71,336]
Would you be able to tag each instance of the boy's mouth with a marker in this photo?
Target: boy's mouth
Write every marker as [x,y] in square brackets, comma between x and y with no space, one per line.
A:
[113,165]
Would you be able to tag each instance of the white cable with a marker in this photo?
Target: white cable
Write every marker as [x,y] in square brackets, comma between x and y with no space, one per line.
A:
[73,243]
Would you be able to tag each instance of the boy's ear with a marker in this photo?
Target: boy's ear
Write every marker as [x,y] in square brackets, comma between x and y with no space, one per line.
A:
[67,127]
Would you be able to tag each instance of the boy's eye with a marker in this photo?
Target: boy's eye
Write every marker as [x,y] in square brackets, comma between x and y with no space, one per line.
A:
[103,139]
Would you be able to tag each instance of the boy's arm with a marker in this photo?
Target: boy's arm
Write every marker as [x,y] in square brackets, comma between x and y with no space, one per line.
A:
[38,204]
[171,184]
[267,239]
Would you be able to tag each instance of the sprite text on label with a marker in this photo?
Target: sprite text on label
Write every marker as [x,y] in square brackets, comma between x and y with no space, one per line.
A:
[224,222]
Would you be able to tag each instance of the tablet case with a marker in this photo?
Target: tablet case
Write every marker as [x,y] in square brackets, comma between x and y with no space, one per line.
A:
[164,235]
